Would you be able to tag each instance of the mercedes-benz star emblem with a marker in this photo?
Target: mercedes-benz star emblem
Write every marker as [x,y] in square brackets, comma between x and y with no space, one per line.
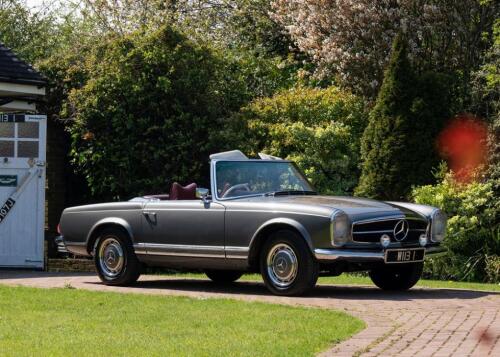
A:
[401,230]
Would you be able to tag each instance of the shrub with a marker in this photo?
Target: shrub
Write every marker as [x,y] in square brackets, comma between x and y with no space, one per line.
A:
[148,112]
[492,268]
[473,236]
[398,143]
[318,128]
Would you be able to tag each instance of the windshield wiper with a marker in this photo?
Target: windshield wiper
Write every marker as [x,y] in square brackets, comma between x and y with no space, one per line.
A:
[290,193]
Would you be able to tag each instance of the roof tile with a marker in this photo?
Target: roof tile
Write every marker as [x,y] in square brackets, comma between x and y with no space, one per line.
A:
[16,70]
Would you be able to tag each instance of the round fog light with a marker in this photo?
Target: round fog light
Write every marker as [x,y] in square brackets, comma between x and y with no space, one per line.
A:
[423,240]
[385,240]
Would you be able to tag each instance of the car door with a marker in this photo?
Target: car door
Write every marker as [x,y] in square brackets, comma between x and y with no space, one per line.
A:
[188,228]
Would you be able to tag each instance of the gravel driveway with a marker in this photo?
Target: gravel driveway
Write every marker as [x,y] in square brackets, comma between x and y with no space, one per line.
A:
[421,322]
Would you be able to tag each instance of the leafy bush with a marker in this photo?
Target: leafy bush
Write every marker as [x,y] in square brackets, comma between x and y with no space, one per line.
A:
[148,112]
[398,143]
[492,268]
[317,128]
[473,236]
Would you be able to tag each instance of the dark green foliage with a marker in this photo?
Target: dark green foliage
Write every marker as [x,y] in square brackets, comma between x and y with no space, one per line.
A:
[490,75]
[384,146]
[398,144]
[148,114]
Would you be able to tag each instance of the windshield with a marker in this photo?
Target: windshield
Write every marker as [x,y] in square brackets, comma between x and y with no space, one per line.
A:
[244,178]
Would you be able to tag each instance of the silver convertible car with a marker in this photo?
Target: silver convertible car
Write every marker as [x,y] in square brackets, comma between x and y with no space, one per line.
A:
[260,215]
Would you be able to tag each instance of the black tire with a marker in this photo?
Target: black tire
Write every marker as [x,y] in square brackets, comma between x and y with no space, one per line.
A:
[115,259]
[281,276]
[223,276]
[397,277]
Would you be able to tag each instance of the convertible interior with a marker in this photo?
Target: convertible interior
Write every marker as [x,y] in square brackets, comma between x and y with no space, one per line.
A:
[177,192]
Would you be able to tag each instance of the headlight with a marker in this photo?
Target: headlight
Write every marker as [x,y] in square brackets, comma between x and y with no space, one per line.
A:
[438,226]
[340,228]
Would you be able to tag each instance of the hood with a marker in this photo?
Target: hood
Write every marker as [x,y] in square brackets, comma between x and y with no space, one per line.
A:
[356,208]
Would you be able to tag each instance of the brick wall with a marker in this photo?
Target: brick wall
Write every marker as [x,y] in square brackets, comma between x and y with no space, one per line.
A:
[70,265]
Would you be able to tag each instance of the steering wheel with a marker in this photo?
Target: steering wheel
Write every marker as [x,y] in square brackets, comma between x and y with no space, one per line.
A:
[238,187]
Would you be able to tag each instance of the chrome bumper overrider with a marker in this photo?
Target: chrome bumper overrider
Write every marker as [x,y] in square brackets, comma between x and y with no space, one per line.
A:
[61,246]
[352,255]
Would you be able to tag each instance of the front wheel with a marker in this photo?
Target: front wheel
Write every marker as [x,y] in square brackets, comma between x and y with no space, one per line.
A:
[223,276]
[287,265]
[397,277]
[114,258]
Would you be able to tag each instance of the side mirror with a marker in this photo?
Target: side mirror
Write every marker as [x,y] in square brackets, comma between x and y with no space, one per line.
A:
[203,194]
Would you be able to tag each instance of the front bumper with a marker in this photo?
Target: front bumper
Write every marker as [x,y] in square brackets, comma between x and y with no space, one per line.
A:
[351,255]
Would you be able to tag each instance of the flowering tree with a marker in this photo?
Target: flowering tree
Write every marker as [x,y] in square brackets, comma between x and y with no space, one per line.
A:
[352,38]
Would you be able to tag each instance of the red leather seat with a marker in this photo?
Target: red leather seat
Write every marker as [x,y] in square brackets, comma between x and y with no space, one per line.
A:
[179,192]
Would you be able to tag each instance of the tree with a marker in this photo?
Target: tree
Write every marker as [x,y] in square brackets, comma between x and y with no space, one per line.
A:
[243,31]
[351,40]
[397,145]
[243,24]
[147,113]
[31,35]
[317,128]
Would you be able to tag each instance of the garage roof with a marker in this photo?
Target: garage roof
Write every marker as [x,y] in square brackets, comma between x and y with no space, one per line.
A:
[14,70]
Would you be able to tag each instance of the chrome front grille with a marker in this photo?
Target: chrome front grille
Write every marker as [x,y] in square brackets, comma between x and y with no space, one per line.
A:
[371,231]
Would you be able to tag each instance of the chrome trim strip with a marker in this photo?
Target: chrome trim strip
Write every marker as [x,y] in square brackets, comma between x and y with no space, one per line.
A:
[388,231]
[183,246]
[191,255]
[381,219]
[373,220]
[352,255]
[237,252]
[373,232]
[187,250]
[238,249]
[232,256]
[140,248]
[364,256]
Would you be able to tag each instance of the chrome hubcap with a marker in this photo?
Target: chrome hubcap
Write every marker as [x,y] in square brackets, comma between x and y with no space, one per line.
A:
[282,265]
[111,260]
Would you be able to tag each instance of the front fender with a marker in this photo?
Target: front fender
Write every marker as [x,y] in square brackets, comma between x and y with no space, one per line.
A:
[282,222]
[110,221]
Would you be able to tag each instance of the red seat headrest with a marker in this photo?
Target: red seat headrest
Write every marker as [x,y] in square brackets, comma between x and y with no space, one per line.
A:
[179,192]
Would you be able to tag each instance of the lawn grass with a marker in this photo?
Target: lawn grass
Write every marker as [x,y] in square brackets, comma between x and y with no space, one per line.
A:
[356,279]
[70,322]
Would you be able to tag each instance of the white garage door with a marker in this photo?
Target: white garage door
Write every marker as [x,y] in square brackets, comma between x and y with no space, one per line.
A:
[22,190]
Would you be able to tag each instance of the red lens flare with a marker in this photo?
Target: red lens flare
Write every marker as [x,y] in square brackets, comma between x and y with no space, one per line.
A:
[463,143]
